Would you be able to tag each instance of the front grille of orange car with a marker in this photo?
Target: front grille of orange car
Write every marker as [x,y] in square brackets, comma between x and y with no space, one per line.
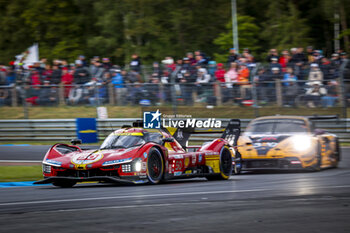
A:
[86,173]
[270,163]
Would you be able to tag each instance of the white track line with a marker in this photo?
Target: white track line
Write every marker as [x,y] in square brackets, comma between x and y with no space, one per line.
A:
[132,196]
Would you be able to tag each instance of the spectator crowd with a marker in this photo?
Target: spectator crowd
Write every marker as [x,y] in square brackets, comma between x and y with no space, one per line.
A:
[305,77]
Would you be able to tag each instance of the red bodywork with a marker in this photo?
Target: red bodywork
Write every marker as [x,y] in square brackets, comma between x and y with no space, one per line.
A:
[71,162]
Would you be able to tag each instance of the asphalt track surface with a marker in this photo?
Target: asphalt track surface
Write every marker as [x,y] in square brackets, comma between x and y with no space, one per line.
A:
[251,202]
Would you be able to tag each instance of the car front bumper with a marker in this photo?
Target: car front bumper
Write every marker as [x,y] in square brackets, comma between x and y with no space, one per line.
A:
[108,179]
[290,163]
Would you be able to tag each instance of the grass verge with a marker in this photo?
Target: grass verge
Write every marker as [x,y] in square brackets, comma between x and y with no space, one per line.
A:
[20,173]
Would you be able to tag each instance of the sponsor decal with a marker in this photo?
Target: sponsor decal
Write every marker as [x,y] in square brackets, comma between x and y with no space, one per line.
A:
[188,172]
[145,154]
[187,161]
[200,157]
[128,134]
[53,162]
[143,166]
[83,159]
[193,159]
[178,165]
[111,162]
[177,173]
[139,182]
[88,131]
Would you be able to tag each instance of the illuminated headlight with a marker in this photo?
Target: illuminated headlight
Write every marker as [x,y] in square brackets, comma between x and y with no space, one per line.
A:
[301,143]
[46,168]
[138,166]
[126,168]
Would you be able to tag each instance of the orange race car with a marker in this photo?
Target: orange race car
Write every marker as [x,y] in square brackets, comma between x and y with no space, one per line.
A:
[287,142]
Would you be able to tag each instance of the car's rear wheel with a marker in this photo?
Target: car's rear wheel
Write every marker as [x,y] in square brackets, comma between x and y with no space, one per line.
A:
[337,154]
[155,166]
[225,166]
[64,184]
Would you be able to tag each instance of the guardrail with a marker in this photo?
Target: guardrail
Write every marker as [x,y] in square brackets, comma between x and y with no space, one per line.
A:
[65,129]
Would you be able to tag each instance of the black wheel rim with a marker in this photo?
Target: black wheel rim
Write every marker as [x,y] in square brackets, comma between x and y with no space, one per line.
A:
[154,166]
[226,162]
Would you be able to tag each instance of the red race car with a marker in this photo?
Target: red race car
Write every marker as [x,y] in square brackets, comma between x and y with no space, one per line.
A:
[137,155]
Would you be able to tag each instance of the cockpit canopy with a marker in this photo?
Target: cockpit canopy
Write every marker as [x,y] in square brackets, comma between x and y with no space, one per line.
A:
[118,140]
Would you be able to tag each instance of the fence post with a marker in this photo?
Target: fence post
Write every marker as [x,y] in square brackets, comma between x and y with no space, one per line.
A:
[217,88]
[14,96]
[278,92]
[111,94]
[161,94]
[255,99]
[61,94]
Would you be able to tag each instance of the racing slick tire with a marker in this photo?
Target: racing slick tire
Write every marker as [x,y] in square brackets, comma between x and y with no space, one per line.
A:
[238,163]
[155,166]
[225,165]
[337,153]
[64,184]
[317,166]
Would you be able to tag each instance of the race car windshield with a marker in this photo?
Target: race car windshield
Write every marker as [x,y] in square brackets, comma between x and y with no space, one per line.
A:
[122,141]
[277,127]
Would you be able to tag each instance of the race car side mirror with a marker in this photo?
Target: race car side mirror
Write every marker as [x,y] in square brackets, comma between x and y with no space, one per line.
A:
[319,131]
[76,141]
[164,140]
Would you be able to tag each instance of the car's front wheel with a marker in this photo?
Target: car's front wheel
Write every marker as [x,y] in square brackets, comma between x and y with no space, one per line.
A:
[155,166]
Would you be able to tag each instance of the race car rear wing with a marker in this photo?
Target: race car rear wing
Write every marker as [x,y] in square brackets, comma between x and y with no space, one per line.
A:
[323,117]
[231,133]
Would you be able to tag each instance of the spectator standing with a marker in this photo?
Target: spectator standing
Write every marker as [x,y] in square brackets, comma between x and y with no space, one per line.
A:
[314,94]
[243,80]
[272,54]
[4,96]
[233,56]
[274,63]
[290,92]
[289,77]
[202,81]
[284,60]
[56,75]
[47,95]
[315,73]
[106,64]
[212,68]
[135,63]
[81,74]
[67,80]
[191,58]
[326,69]
[220,73]
[231,79]
[120,90]
[329,99]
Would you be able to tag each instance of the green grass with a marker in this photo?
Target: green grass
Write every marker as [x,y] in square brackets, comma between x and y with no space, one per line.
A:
[62,112]
[20,173]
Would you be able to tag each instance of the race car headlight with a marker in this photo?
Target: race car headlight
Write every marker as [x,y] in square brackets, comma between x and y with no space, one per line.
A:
[301,143]
[126,167]
[46,168]
[137,166]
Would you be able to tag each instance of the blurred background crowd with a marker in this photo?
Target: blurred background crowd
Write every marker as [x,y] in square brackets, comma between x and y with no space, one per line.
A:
[290,78]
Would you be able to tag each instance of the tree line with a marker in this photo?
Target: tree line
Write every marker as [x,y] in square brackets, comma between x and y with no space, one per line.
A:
[157,28]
